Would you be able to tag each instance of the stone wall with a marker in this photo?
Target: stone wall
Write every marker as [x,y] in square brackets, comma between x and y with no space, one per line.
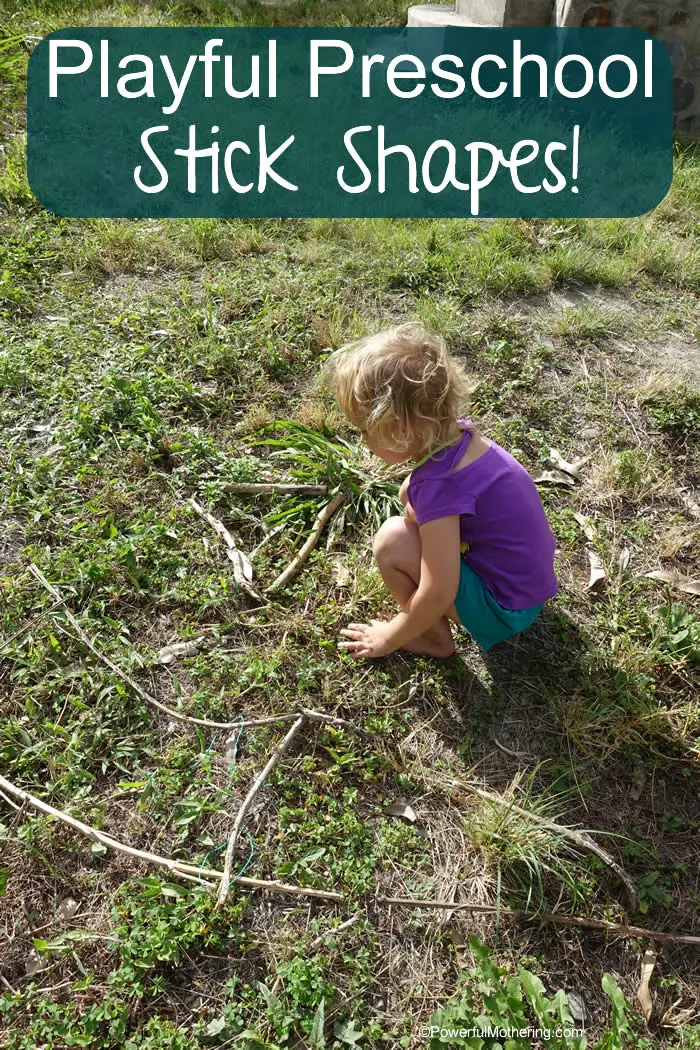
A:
[675,22]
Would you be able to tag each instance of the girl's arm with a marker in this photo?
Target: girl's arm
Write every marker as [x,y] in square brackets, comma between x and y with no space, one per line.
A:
[437,589]
[439,582]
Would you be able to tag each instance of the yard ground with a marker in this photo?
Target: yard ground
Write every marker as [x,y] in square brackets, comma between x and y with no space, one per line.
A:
[138,363]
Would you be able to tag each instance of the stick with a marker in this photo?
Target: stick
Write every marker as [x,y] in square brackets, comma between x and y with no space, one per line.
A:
[182,870]
[96,652]
[9,801]
[330,933]
[266,539]
[122,674]
[314,716]
[245,806]
[8,985]
[176,867]
[296,563]
[235,556]
[98,836]
[252,489]
[621,929]
[580,838]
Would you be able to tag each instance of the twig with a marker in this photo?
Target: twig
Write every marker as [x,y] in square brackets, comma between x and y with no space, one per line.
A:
[507,750]
[330,933]
[122,674]
[98,836]
[296,563]
[319,716]
[266,539]
[250,488]
[314,716]
[8,985]
[235,556]
[580,838]
[96,652]
[618,928]
[9,801]
[245,806]
[182,870]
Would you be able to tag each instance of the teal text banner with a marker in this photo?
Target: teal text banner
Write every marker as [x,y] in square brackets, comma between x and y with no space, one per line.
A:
[349,122]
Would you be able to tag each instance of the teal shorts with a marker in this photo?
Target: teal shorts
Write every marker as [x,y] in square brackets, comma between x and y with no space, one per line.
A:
[488,622]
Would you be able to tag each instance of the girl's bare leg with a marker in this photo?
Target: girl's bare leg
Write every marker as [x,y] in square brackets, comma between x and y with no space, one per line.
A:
[397,550]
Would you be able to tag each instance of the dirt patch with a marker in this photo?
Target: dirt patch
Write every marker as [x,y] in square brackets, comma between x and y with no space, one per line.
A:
[678,353]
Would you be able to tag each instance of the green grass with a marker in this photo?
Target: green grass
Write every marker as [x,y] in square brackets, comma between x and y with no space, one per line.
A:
[143,363]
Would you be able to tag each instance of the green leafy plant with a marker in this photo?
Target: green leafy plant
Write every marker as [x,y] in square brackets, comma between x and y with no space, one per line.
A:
[676,411]
[651,892]
[325,458]
[493,1010]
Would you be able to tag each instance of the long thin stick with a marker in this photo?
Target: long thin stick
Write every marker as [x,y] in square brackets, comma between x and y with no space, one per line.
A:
[8,985]
[618,928]
[9,801]
[117,670]
[235,556]
[182,869]
[252,489]
[96,652]
[179,868]
[580,838]
[313,716]
[296,563]
[245,806]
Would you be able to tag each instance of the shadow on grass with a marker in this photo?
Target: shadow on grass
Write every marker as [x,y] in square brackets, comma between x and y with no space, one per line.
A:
[551,711]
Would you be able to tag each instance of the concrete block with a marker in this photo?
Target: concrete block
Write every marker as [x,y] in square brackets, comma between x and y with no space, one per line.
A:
[436,16]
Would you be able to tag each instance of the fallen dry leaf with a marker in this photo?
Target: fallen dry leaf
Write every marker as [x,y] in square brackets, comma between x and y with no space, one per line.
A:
[171,653]
[401,809]
[623,558]
[587,526]
[66,909]
[643,994]
[597,570]
[343,576]
[554,477]
[576,1006]
[558,461]
[676,579]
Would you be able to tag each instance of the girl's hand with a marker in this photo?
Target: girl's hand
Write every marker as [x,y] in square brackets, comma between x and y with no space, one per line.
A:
[369,640]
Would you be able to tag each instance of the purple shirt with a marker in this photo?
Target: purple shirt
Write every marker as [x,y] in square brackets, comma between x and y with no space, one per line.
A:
[501,519]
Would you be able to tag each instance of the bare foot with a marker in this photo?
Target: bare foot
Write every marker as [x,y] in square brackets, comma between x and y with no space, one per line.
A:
[437,641]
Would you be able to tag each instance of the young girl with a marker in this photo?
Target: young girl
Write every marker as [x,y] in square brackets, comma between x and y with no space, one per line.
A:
[474,546]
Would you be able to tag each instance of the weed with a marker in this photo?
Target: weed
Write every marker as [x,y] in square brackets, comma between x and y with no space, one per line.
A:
[590,323]
[327,458]
[677,412]
[525,852]
[492,1006]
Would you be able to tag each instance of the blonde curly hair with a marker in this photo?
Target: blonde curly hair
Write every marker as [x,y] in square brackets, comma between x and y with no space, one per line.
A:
[401,386]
